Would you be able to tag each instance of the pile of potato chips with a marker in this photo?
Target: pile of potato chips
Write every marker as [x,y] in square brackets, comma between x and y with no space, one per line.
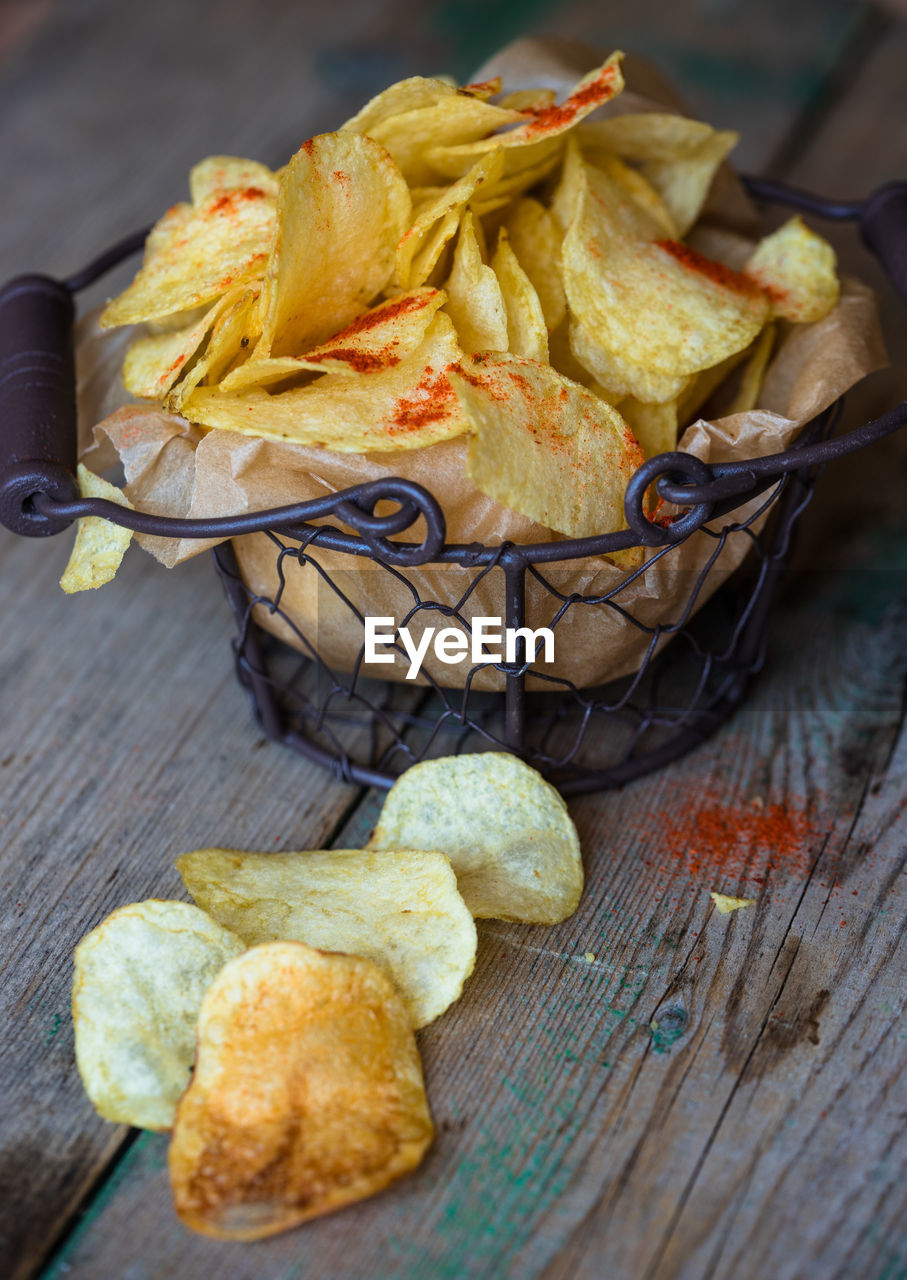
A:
[271,1026]
[461,262]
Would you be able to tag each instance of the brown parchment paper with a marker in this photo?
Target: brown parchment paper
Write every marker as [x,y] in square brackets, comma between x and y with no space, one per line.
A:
[174,468]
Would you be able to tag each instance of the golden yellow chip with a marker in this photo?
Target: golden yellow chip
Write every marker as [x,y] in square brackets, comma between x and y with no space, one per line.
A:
[307,1094]
[545,446]
[636,186]
[437,221]
[378,339]
[217,174]
[541,135]
[155,363]
[797,269]
[342,207]
[474,299]
[399,909]
[526,332]
[415,115]
[536,242]
[679,157]
[140,977]
[196,254]
[725,904]
[653,307]
[100,545]
[506,831]
[753,373]
[407,406]
[654,425]
[235,332]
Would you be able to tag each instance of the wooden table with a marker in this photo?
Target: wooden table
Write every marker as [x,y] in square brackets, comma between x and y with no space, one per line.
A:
[711,1096]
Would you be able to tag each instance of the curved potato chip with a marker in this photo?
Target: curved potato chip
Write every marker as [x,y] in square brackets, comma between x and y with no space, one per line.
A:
[378,339]
[474,299]
[639,190]
[537,244]
[541,134]
[526,332]
[235,332]
[797,269]
[679,156]
[307,1094]
[753,374]
[404,407]
[506,831]
[652,304]
[617,377]
[195,254]
[216,174]
[154,363]
[342,207]
[654,425]
[140,977]
[545,446]
[421,247]
[100,544]
[413,116]
[400,910]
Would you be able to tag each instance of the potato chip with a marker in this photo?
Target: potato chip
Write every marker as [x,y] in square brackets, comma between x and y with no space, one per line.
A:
[307,1094]
[654,306]
[378,339]
[635,185]
[797,269]
[139,981]
[436,223]
[217,174]
[539,136]
[154,363]
[526,332]
[400,910]
[474,299]
[406,406]
[196,254]
[532,100]
[342,207]
[235,333]
[701,386]
[654,425]
[725,904]
[617,377]
[679,156]
[506,831]
[544,446]
[100,545]
[413,116]
[536,242]
[753,373]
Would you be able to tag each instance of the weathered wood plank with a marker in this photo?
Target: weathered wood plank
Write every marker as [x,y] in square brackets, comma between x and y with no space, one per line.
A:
[573,1133]
[511,1178]
[123,737]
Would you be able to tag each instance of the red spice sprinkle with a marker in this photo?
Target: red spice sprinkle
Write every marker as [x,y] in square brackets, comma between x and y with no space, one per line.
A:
[387,311]
[554,118]
[714,271]
[737,840]
[362,361]
[342,178]
[432,400]
[480,87]
[308,147]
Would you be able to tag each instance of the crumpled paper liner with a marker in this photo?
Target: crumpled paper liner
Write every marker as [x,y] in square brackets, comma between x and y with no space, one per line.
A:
[174,468]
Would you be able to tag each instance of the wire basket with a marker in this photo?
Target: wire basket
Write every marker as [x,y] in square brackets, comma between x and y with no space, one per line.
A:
[369,730]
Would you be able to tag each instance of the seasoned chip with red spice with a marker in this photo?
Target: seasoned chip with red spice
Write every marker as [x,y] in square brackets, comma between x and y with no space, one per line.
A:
[546,446]
[402,406]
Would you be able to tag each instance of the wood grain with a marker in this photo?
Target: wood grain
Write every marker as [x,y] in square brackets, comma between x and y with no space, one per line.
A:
[575,1138]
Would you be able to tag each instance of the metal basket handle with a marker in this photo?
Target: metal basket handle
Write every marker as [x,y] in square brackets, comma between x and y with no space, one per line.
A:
[38,430]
